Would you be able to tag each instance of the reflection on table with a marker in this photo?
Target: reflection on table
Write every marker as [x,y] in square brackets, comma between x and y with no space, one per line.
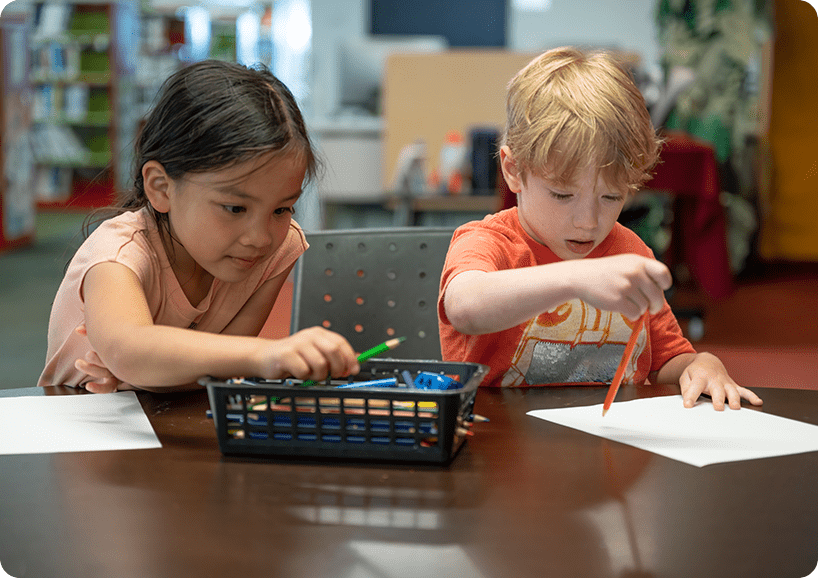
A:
[524,497]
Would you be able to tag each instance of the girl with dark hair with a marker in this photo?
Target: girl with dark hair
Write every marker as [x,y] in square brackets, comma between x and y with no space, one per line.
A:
[180,281]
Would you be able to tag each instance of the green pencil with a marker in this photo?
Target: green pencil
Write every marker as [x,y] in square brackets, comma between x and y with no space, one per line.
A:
[368,354]
[385,346]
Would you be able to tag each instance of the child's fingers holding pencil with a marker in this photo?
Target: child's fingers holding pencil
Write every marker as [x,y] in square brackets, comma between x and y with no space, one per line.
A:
[312,353]
[659,274]
[368,354]
[628,284]
[647,290]
[659,280]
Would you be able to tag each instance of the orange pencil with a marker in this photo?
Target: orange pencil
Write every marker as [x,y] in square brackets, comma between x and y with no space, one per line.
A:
[626,357]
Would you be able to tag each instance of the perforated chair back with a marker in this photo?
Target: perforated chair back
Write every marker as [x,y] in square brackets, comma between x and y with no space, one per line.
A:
[371,285]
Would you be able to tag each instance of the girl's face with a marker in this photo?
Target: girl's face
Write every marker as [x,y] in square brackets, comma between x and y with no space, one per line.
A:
[224,223]
[571,221]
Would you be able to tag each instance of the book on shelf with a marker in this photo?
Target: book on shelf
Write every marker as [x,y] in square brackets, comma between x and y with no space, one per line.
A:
[90,23]
[52,184]
[42,103]
[56,58]
[58,145]
[57,103]
[54,62]
[52,21]
[76,102]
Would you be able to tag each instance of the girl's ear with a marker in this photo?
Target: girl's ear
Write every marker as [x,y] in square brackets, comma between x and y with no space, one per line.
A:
[157,185]
[510,170]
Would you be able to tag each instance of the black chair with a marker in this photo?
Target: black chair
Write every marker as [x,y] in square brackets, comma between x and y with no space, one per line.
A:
[371,285]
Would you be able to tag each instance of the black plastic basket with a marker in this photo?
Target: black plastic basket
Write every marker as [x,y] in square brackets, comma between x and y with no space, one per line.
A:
[282,418]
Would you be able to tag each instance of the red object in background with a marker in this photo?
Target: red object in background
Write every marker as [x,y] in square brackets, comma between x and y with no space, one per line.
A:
[87,194]
[176,32]
[689,171]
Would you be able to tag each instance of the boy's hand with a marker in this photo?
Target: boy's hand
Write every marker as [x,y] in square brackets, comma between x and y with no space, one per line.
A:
[312,353]
[628,284]
[707,374]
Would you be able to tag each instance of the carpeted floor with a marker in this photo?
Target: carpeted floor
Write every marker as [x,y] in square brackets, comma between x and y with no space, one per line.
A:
[766,333]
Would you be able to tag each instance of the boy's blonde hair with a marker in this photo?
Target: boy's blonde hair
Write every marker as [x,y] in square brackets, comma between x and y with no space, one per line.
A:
[569,110]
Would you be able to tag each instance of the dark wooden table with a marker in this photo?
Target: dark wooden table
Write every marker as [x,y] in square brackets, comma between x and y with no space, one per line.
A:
[524,497]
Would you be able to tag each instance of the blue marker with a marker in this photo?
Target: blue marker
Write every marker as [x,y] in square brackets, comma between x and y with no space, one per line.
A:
[407,379]
[428,380]
[389,382]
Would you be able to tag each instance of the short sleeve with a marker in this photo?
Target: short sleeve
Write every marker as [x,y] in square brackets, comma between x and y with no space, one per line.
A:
[133,251]
[473,249]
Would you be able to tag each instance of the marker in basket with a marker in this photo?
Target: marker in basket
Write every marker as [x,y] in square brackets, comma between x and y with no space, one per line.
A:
[369,353]
[388,382]
[623,363]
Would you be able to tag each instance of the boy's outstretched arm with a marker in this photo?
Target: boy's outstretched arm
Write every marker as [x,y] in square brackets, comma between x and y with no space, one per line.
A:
[121,330]
[703,373]
[479,302]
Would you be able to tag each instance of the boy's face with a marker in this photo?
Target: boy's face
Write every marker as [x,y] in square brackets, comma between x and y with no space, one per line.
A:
[571,221]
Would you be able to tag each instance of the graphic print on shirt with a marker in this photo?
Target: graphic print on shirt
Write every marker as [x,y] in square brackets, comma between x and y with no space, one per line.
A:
[574,342]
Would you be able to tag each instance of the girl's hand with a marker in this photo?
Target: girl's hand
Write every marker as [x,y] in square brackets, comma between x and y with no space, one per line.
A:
[104,380]
[312,353]
[628,284]
[706,374]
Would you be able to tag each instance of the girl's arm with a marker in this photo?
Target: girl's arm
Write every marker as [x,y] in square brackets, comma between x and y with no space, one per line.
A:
[703,373]
[121,330]
[251,318]
[249,321]
[479,302]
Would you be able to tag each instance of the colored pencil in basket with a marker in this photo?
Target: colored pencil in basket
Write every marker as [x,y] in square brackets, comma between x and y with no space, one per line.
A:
[378,349]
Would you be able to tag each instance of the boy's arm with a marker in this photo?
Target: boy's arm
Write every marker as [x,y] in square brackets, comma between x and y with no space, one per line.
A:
[121,330]
[703,373]
[479,302]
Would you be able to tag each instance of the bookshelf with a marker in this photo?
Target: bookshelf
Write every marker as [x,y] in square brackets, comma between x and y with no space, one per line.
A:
[162,37]
[17,212]
[82,66]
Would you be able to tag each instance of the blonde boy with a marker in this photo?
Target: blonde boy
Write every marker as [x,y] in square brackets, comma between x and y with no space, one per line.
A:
[547,292]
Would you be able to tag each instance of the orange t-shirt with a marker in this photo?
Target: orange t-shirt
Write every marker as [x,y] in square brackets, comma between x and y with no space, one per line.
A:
[133,240]
[574,342]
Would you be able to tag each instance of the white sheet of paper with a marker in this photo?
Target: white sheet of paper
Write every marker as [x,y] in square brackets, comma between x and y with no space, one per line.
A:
[74,423]
[698,436]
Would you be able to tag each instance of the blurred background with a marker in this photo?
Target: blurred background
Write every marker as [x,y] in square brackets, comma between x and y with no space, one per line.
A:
[404,100]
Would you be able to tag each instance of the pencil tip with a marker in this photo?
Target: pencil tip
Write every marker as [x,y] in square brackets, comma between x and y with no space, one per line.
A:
[401,339]
[604,411]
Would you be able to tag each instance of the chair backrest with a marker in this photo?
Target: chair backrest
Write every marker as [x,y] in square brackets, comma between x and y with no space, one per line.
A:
[371,285]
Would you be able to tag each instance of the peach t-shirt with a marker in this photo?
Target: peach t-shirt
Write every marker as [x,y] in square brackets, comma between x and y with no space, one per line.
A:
[133,240]
[573,342]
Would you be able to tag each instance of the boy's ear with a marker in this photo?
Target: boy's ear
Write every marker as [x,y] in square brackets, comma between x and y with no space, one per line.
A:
[157,185]
[510,170]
